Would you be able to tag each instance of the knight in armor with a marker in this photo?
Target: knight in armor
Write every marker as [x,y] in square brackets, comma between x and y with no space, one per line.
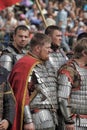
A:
[7,101]
[29,79]
[15,50]
[72,92]
[57,58]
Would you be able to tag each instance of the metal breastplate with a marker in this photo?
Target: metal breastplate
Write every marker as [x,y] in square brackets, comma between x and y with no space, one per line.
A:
[79,97]
[16,56]
[46,85]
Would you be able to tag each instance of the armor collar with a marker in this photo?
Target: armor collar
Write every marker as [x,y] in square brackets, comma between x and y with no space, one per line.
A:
[16,50]
[54,47]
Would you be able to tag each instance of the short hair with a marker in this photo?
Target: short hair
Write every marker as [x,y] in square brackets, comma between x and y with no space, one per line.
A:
[82,35]
[50,29]
[21,27]
[39,39]
[79,47]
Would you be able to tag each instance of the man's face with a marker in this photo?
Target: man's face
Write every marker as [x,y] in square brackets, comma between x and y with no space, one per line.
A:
[21,38]
[56,37]
[44,51]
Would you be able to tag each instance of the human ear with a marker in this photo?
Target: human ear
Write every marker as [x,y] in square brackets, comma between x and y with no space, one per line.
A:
[84,52]
[38,48]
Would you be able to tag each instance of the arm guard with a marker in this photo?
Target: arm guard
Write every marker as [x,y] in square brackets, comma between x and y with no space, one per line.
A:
[65,109]
[27,115]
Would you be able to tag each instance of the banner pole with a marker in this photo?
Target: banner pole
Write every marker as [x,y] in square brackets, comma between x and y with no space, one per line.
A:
[39,7]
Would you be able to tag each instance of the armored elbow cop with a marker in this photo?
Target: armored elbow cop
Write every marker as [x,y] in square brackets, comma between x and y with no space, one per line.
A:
[6,62]
[27,115]
[65,109]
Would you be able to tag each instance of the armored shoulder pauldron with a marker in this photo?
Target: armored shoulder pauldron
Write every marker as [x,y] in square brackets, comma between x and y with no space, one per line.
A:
[70,69]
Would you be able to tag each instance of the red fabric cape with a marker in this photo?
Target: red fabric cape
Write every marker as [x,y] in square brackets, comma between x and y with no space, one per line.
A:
[18,80]
[6,3]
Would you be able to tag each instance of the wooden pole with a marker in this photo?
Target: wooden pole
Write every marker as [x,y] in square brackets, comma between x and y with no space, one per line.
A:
[39,7]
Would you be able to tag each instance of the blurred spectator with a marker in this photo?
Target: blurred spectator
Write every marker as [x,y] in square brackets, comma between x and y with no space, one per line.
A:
[82,35]
[11,21]
[50,21]
[23,20]
[26,3]
[75,27]
[62,23]
[27,13]
[81,27]
[10,24]
[31,12]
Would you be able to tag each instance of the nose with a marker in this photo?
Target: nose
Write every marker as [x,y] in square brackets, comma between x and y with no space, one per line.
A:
[23,38]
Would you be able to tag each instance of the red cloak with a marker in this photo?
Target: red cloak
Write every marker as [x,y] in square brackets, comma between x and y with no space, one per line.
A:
[19,80]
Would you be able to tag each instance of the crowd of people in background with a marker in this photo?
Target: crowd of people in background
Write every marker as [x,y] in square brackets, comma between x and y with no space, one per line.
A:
[69,15]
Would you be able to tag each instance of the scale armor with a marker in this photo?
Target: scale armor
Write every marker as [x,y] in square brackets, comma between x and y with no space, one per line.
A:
[56,60]
[78,97]
[45,100]
[46,84]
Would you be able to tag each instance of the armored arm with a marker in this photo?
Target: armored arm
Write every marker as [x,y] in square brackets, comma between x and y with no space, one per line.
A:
[64,89]
[27,112]
[27,115]
[63,104]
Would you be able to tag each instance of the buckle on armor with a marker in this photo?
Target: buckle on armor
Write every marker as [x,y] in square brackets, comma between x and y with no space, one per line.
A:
[81,120]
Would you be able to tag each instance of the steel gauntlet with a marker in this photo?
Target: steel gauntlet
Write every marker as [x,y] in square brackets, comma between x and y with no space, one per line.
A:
[27,115]
[65,111]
